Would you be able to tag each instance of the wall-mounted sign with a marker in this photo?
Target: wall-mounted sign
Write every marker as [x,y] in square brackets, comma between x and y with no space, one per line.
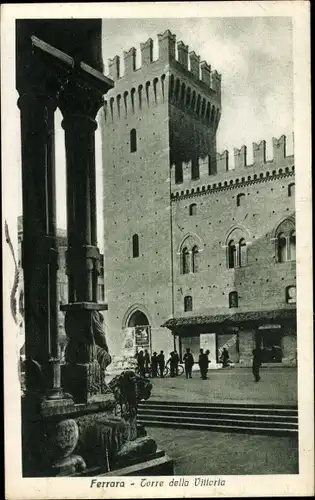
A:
[269,327]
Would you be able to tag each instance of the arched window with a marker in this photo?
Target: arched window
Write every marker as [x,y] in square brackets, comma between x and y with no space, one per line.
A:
[193,209]
[188,95]
[118,104]
[188,303]
[132,93]
[240,198]
[203,108]
[135,245]
[155,83]
[140,88]
[126,102]
[285,241]
[195,168]
[193,101]
[178,172]
[198,105]
[177,88]
[133,140]
[195,259]
[171,87]
[233,299]
[291,189]
[232,254]
[292,246]
[147,91]
[185,261]
[282,248]
[242,252]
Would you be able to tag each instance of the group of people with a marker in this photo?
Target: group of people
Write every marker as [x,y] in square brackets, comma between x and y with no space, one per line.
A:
[150,366]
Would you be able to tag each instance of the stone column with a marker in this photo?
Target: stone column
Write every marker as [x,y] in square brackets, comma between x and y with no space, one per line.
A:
[79,102]
[39,252]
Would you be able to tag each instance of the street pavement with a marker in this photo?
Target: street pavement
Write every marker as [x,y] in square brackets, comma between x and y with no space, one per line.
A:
[219,453]
[278,385]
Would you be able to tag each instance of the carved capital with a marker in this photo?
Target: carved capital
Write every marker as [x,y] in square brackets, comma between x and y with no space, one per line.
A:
[79,100]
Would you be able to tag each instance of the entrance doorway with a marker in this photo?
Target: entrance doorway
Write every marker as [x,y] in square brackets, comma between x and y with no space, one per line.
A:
[139,322]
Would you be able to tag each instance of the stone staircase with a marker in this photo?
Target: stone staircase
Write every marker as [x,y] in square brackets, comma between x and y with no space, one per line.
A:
[223,417]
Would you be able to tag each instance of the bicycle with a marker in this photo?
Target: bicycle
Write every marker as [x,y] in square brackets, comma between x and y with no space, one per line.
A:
[166,371]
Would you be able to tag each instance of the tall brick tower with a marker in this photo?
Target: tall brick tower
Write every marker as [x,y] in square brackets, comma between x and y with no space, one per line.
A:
[159,120]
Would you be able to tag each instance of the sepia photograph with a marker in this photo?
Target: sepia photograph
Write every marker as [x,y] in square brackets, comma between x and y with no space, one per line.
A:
[154,297]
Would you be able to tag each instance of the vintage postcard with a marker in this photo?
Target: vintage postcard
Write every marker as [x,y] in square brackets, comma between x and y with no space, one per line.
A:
[157,246]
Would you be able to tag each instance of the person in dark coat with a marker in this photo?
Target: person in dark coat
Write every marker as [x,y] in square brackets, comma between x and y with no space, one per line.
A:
[201,363]
[171,362]
[161,363]
[256,363]
[206,361]
[146,360]
[176,362]
[154,365]
[141,363]
[189,362]
[224,358]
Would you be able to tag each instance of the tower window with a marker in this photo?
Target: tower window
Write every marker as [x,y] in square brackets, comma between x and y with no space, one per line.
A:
[193,209]
[133,140]
[185,261]
[135,245]
[232,254]
[195,168]
[233,299]
[240,199]
[291,189]
[282,248]
[188,303]
[292,246]
[178,172]
[195,259]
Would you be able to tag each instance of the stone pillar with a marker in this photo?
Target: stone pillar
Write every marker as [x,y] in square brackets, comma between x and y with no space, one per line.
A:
[79,103]
[39,251]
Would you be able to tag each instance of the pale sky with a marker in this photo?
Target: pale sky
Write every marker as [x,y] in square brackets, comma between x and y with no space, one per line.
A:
[254,57]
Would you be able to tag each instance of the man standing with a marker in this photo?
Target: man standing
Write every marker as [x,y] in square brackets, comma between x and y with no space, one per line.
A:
[256,364]
[154,365]
[161,363]
[146,360]
[176,361]
[207,361]
[141,364]
[189,362]
[201,363]
[171,362]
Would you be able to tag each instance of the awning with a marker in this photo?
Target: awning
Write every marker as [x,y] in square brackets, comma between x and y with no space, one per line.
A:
[232,319]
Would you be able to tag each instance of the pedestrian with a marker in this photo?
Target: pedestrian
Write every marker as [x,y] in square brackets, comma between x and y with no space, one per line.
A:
[256,363]
[154,365]
[207,361]
[189,362]
[201,363]
[146,360]
[176,362]
[141,363]
[161,363]
[171,362]
[224,358]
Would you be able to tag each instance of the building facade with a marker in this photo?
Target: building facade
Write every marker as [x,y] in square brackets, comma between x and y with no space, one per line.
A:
[197,253]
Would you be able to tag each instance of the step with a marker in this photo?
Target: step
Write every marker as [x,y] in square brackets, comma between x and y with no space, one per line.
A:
[220,409]
[218,405]
[224,421]
[222,428]
[239,416]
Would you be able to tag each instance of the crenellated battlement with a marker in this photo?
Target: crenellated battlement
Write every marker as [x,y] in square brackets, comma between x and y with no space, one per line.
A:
[189,179]
[168,52]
